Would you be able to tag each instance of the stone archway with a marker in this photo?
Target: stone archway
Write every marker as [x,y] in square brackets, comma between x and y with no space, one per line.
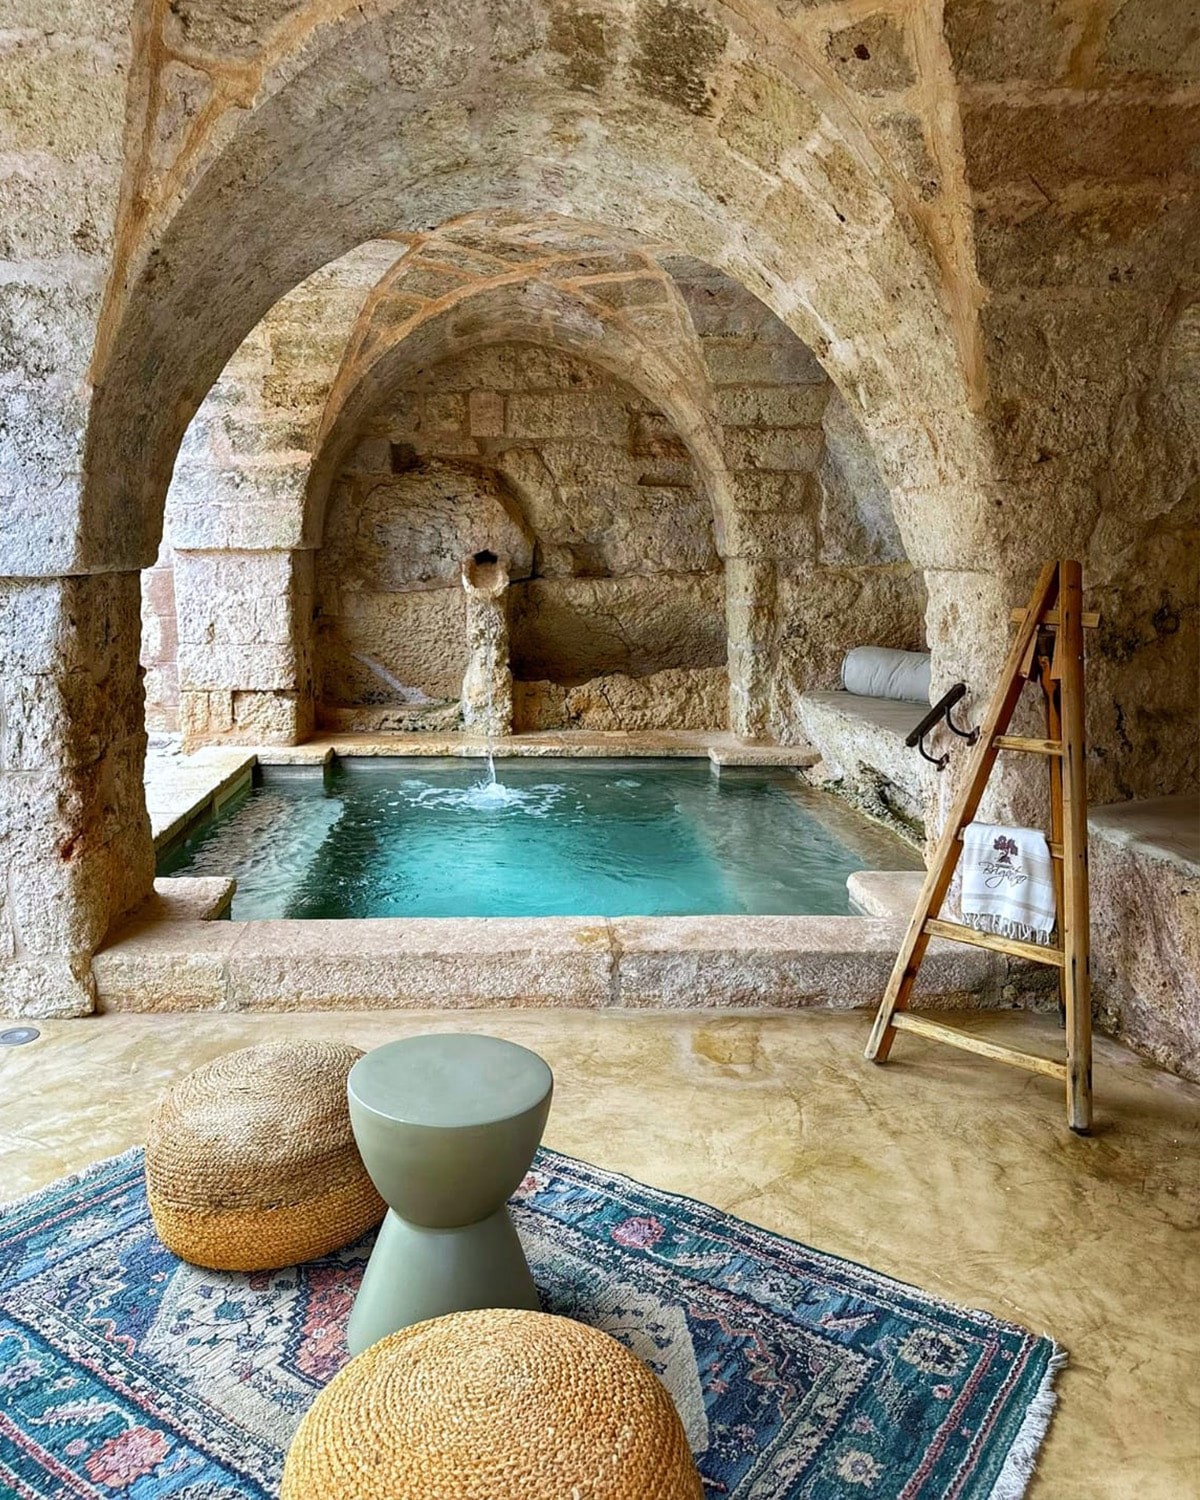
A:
[279,409]
[254,470]
[805,210]
[556,284]
[258,158]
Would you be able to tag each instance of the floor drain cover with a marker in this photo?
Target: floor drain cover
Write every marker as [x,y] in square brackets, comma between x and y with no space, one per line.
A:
[17,1036]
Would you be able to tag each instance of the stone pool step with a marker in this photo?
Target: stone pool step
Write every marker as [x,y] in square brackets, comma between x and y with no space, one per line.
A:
[642,962]
[184,790]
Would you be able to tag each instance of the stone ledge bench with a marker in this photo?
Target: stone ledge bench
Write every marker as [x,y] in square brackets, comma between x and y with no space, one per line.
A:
[861,742]
[1145,895]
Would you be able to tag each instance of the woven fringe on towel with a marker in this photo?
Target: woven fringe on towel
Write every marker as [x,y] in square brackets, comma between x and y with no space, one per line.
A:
[1002,927]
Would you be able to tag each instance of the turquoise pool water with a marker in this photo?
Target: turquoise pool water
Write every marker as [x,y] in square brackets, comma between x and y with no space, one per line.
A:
[434,838]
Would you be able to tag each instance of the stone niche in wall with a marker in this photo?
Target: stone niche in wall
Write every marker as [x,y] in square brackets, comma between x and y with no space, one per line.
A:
[616,606]
[391,612]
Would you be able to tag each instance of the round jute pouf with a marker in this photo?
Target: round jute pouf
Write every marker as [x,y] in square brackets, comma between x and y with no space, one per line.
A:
[494,1405]
[251,1163]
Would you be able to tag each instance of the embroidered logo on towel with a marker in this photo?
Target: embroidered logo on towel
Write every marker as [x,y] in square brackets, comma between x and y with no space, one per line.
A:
[1001,871]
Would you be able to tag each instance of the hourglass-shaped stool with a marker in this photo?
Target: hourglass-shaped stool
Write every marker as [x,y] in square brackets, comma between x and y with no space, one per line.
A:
[447,1127]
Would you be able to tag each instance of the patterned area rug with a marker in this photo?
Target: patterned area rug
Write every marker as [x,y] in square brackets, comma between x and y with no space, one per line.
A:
[125,1372]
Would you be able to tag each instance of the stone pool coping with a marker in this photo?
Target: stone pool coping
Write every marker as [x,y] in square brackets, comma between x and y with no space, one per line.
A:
[184,790]
[174,955]
[167,960]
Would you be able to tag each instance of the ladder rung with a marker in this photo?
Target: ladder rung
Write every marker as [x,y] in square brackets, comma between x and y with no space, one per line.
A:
[936,1031]
[1032,747]
[958,933]
[1090,618]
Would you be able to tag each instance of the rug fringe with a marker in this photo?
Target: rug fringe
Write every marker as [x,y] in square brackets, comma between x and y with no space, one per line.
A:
[1013,1479]
[12,1205]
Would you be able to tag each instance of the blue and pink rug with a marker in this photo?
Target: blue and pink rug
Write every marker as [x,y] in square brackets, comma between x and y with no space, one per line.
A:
[125,1372]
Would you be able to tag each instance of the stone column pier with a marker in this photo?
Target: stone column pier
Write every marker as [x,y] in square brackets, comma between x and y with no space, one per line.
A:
[750,589]
[75,846]
[244,621]
[969,633]
[487,690]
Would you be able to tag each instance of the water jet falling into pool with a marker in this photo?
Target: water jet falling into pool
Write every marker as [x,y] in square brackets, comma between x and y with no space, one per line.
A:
[487,683]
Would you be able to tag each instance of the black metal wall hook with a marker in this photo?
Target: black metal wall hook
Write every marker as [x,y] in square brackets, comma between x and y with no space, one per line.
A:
[941,710]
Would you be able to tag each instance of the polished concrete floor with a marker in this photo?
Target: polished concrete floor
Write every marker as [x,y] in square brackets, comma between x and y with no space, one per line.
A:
[940,1169]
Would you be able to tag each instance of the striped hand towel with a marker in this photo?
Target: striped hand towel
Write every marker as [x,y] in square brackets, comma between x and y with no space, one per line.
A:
[1008,882]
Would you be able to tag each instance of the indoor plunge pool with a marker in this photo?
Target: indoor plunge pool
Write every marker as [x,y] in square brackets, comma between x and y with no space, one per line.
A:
[544,837]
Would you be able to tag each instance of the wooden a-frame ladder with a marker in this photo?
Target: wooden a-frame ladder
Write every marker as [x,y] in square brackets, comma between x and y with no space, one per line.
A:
[1048,649]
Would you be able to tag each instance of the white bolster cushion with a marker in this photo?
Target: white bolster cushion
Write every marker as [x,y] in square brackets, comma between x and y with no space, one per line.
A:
[879,672]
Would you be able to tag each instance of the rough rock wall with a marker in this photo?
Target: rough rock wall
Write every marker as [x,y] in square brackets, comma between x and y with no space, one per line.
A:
[391,615]
[1081,125]
[1145,890]
[75,847]
[795,489]
[674,698]
[566,473]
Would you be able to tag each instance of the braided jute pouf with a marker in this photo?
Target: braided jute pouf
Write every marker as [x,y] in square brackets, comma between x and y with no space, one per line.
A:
[492,1405]
[251,1163]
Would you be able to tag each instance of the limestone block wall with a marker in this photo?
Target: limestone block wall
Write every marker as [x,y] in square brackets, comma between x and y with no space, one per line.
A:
[237,491]
[243,466]
[814,560]
[62,157]
[244,661]
[160,643]
[241,669]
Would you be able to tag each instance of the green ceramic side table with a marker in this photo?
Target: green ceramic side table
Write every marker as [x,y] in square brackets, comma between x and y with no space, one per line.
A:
[447,1126]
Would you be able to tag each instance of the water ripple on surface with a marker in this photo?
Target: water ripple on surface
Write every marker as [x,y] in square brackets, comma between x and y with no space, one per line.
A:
[387,838]
[493,796]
